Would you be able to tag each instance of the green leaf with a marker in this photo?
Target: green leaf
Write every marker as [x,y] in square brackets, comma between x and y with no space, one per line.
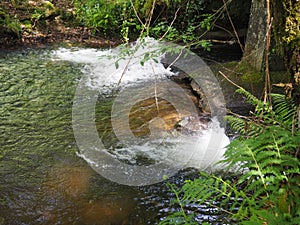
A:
[117,64]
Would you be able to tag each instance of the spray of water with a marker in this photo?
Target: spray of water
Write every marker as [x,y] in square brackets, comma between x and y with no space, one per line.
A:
[137,76]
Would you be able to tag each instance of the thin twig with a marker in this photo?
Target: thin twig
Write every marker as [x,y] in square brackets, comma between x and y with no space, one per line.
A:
[222,28]
[298,115]
[171,64]
[298,118]
[171,24]
[155,86]
[267,91]
[149,19]
[127,64]
[268,87]
[238,115]
[230,81]
[233,27]
[224,67]
[124,70]
[136,14]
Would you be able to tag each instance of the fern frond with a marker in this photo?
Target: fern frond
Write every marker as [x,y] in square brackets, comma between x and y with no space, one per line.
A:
[250,97]
[243,127]
[210,189]
[285,110]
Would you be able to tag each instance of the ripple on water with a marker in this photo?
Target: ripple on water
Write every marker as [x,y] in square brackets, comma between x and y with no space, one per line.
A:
[42,179]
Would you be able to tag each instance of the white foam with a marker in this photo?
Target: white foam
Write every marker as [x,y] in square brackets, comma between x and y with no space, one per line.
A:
[100,65]
[209,148]
[204,151]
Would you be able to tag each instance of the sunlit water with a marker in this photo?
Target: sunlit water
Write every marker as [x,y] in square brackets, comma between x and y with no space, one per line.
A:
[102,74]
[42,179]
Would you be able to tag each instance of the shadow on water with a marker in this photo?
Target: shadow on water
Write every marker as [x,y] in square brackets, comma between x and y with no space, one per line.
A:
[42,181]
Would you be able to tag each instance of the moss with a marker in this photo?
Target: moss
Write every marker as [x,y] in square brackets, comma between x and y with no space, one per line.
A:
[243,74]
[249,74]
[286,31]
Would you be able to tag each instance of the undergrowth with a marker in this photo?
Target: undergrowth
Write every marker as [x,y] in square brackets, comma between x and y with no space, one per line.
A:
[265,160]
[10,24]
[184,21]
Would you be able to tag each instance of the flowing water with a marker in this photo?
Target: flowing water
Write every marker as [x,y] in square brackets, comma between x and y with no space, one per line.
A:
[42,178]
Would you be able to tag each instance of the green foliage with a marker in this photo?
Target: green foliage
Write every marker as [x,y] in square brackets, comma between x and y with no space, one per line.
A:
[282,113]
[163,28]
[10,24]
[123,17]
[173,20]
[266,159]
[99,15]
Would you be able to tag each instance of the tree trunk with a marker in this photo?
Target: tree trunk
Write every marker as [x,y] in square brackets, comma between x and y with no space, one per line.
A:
[286,14]
[256,35]
[285,33]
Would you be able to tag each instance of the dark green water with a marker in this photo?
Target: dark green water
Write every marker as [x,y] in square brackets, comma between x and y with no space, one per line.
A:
[42,180]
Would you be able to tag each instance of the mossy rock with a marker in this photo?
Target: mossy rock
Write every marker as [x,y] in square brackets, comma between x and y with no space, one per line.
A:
[249,74]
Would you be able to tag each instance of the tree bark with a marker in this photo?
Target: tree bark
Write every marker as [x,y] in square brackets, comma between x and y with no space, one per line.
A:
[256,35]
[286,14]
[285,33]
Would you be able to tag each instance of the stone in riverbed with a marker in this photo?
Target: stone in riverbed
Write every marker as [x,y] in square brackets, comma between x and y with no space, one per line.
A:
[193,125]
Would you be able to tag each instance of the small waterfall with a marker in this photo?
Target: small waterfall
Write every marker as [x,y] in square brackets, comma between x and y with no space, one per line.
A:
[100,66]
[119,69]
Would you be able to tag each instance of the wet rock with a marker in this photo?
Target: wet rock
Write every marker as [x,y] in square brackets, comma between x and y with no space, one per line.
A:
[203,103]
[193,125]
[147,115]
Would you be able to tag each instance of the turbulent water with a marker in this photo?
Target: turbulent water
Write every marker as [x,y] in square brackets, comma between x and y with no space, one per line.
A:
[102,74]
[104,68]
[42,179]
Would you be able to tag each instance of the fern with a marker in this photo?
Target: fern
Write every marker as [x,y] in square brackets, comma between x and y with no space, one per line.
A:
[244,127]
[268,154]
[282,112]
[266,159]
[250,98]
[285,110]
[210,189]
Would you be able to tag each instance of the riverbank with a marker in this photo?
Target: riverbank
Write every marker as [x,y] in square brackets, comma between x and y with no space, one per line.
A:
[65,35]
[39,23]
[106,24]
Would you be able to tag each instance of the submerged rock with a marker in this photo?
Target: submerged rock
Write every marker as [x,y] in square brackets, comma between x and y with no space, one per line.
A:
[74,194]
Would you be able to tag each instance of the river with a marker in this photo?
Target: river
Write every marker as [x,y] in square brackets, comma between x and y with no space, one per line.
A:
[45,175]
